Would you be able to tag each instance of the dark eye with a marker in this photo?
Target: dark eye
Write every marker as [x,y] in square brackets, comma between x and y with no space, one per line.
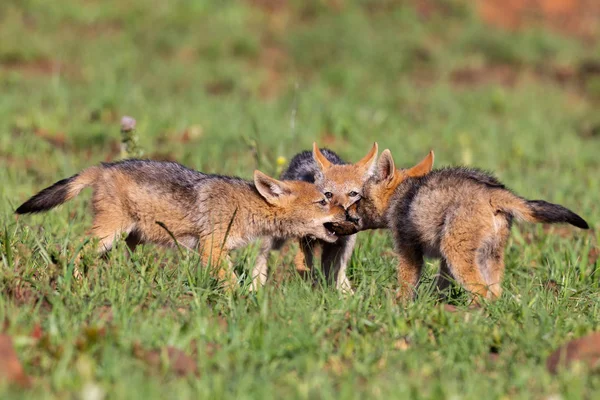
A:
[323,202]
[353,194]
[328,195]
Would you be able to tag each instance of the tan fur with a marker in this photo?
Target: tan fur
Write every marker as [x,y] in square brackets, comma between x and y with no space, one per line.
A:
[214,214]
[342,180]
[343,184]
[378,192]
[462,216]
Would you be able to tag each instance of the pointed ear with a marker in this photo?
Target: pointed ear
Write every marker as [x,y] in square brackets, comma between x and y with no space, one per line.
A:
[322,162]
[271,189]
[368,161]
[422,168]
[386,169]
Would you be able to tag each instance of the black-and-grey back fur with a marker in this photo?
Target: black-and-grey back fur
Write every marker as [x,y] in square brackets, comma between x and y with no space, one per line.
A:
[303,166]
[421,207]
[462,216]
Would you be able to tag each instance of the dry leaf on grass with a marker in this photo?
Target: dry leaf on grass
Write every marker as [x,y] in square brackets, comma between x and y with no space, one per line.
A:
[585,350]
[37,332]
[11,370]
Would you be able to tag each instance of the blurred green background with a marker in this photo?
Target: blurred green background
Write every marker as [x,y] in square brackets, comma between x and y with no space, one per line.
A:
[231,86]
[207,81]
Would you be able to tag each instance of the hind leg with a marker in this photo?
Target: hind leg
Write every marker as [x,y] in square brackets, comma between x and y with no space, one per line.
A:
[490,254]
[334,262]
[108,227]
[444,279]
[491,260]
[304,259]
[494,280]
[410,266]
[466,271]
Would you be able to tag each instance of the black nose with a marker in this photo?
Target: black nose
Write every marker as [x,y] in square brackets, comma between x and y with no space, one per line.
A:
[350,218]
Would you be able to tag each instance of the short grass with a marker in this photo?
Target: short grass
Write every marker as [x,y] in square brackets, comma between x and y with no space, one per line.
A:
[228,87]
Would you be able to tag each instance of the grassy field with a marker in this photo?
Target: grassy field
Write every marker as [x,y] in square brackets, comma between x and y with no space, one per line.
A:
[228,87]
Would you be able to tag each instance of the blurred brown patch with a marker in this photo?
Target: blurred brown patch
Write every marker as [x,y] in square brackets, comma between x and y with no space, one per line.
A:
[220,87]
[164,156]
[329,139]
[578,81]
[11,370]
[30,165]
[56,139]
[451,308]
[563,231]
[37,332]
[493,356]
[114,151]
[190,134]
[338,365]
[270,6]
[505,75]
[402,344]
[589,130]
[272,58]
[39,67]
[104,314]
[428,8]
[552,286]
[22,294]
[593,255]
[177,361]
[579,18]
[90,335]
[273,61]
[103,29]
[585,350]
[454,309]
[222,323]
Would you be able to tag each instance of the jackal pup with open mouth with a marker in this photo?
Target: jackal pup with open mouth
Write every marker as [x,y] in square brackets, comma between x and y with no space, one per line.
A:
[342,183]
[460,215]
[214,213]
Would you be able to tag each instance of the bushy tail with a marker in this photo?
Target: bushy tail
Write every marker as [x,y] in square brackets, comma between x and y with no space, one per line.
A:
[540,211]
[549,213]
[59,193]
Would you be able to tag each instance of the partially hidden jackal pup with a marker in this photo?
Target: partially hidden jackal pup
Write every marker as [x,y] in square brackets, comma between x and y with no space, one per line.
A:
[214,213]
[460,215]
[342,184]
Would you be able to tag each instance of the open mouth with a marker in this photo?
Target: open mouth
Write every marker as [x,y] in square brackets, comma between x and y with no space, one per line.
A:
[330,229]
[340,228]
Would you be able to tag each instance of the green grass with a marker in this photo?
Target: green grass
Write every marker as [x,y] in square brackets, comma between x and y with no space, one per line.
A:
[249,87]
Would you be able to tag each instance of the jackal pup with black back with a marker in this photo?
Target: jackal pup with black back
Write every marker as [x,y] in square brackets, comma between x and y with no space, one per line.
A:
[342,183]
[460,215]
[214,213]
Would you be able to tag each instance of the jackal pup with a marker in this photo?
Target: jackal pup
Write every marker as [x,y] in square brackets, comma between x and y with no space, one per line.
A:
[215,213]
[460,215]
[342,184]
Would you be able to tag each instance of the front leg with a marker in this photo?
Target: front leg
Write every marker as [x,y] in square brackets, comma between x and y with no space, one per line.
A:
[217,259]
[335,260]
